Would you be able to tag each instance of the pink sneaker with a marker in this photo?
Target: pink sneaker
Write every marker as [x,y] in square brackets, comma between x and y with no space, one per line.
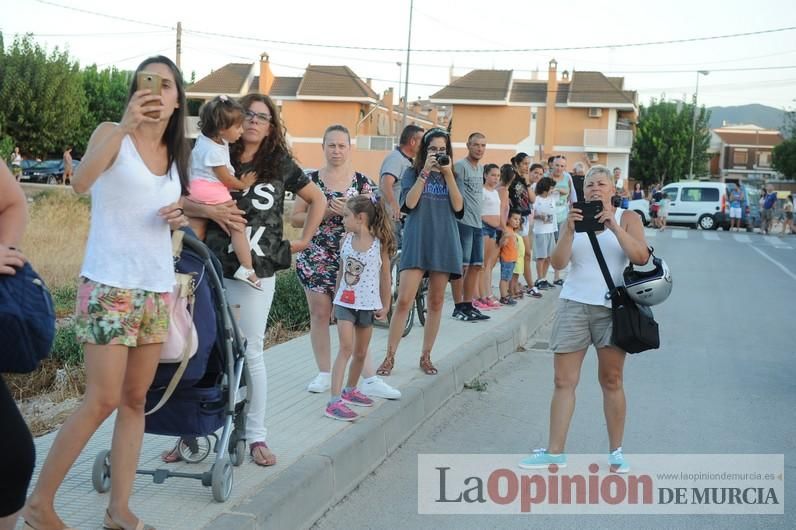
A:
[339,411]
[355,397]
[481,306]
[494,304]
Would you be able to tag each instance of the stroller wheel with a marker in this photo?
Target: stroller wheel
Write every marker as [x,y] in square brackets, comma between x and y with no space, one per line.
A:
[101,472]
[194,450]
[222,480]
[237,452]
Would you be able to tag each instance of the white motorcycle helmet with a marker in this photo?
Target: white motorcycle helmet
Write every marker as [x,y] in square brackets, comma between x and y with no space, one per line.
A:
[649,287]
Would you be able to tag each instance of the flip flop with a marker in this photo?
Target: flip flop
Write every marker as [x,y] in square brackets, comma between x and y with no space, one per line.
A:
[266,462]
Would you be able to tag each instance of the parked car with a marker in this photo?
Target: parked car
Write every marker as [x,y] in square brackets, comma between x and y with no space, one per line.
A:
[46,172]
[700,204]
[641,207]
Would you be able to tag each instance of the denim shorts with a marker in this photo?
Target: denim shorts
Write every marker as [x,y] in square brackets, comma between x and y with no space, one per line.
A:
[361,318]
[490,232]
[506,270]
[472,245]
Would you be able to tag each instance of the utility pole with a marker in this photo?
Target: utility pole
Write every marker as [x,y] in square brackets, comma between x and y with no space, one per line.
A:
[400,74]
[408,51]
[179,44]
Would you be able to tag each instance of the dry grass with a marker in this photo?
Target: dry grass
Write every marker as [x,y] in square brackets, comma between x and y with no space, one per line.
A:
[55,239]
[47,396]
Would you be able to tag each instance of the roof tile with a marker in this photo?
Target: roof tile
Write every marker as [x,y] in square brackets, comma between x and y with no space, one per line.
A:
[478,85]
[228,79]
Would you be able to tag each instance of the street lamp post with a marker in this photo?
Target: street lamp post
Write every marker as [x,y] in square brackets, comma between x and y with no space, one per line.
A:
[693,126]
[408,52]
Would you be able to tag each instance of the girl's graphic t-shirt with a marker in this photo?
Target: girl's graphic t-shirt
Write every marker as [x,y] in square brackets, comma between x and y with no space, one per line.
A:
[359,282]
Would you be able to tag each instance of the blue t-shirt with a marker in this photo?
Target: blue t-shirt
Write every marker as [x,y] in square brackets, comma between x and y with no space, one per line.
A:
[430,239]
[771,200]
[735,199]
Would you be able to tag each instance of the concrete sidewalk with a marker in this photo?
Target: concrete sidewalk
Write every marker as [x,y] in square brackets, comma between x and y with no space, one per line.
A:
[319,460]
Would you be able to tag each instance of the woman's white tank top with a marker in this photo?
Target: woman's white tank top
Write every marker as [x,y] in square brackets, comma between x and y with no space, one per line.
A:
[129,244]
[490,203]
[585,282]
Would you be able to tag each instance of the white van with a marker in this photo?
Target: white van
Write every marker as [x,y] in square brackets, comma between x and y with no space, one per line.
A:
[701,204]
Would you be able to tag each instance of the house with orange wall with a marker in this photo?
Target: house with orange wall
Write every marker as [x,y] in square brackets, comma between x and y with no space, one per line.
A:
[322,96]
[588,116]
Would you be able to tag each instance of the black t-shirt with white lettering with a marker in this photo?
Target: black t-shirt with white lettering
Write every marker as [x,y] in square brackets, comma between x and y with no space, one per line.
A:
[263,205]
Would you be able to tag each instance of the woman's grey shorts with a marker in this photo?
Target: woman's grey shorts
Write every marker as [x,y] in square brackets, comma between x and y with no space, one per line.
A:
[578,325]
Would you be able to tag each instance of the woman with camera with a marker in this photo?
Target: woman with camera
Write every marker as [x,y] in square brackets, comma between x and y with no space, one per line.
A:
[583,317]
[431,199]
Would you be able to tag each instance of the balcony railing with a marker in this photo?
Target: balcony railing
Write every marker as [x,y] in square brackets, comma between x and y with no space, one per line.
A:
[605,138]
[376,143]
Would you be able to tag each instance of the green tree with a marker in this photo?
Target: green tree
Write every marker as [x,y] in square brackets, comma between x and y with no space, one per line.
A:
[662,146]
[783,158]
[42,97]
[106,97]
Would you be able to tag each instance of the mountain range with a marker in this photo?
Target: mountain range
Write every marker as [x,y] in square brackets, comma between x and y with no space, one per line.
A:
[760,115]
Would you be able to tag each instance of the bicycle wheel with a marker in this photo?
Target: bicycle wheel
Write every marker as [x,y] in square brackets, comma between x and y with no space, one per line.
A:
[394,289]
[420,301]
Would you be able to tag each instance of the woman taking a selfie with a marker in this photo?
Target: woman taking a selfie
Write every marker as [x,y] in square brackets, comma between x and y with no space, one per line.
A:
[583,318]
[136,171]
[431,199]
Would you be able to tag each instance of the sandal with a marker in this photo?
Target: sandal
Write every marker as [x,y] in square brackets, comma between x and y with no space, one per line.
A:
[534,292]
[245,275]
[109,524]
[268,460]
[172,455]
[386,366]
[425,364]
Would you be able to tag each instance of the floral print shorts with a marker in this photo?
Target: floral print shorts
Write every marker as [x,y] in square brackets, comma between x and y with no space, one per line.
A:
[129,317]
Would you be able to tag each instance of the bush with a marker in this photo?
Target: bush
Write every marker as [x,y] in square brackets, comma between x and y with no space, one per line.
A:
[290,305]
[66,349]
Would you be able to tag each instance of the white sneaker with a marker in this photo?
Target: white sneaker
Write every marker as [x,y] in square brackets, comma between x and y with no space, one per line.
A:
[321,383]
[376,387]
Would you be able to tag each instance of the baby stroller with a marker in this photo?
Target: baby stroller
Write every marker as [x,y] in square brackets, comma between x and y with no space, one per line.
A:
[208,395]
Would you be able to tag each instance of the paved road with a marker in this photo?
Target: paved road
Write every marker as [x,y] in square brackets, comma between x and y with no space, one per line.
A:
[724,381]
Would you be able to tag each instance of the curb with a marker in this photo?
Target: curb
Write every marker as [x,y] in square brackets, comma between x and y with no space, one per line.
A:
[303,492]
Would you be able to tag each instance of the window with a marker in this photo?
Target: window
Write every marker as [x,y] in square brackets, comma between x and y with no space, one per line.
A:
[764,159]
[671,193]
[739,157]
[700,195]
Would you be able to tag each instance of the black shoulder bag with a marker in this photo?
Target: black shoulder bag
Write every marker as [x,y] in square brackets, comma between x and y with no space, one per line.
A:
[634,327]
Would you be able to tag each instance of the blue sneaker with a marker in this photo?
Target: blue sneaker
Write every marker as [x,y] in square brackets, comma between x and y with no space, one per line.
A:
[541,459]
[616,461]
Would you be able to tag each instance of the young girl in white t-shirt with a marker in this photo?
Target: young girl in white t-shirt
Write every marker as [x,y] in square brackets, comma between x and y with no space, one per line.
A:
[363,293]
[212,174]
[544,228]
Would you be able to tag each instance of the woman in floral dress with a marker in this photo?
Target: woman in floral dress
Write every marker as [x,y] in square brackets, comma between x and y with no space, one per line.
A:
[317,266]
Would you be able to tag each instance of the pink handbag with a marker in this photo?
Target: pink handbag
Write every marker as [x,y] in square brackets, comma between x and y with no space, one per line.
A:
[182,341]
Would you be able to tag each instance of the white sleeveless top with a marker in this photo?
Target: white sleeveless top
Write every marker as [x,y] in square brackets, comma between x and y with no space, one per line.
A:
[359,284]
[585,282]
[129,244]
[490,202]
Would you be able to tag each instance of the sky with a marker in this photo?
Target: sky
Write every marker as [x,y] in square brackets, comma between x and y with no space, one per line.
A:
[124,33]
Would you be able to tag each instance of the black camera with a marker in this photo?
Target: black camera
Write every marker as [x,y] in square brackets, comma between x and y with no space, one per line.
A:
[443,159]
[616,201]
